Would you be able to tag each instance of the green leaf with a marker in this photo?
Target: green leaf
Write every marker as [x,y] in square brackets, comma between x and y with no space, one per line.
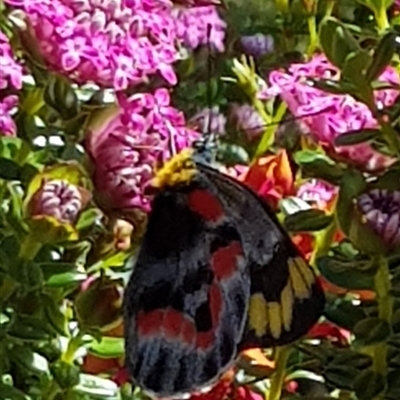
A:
[340,376]
[352,184]
[66,375]
[382,56]
[11,393]
[354,68]
[29,328]
[368,385]
[61,96]
[232,154]
[88,218]
[54,316]
[349,274]
[318,165]
[344,313]
[108,347]
[28,360]
[66,279]
[371,330]
[9,170]
[351,358]
[308,220]
[336,41]
[355,137]
[97,387]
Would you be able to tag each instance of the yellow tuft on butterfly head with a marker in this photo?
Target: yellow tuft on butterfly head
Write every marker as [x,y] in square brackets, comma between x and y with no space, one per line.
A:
[180,169]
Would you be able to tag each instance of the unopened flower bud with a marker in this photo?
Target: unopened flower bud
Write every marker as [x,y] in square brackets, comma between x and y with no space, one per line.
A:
[59,199]
[381,211]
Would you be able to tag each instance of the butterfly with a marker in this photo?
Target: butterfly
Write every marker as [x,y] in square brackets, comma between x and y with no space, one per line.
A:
[216,274]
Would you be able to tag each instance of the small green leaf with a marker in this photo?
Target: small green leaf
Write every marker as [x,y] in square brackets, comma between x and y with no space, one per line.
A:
[66,279]
[355,68]
[368,385]
[382,56]
[308,220]
[349,274]
[55,317]
[340,376]
[355,137]
[88,218]
[344,313]
[318,165]
[371,330]
[336,41]
[9,170]
[11,393]
[108,347]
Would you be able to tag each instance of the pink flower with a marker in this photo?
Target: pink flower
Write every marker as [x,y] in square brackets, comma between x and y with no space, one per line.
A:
[116,43]
[209,120]
[198,26]
[10,78]
[247,120]
[127,144]
[327,116]
[317,192]
[7,124]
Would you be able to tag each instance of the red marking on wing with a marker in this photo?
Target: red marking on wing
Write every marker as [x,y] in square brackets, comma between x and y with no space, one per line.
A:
[205,204]
[173,321]
[224,260]
[175,325]
[149,324]
[204,340]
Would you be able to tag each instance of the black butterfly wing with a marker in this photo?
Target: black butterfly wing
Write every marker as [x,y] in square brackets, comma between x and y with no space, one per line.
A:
[186,302]
[286,300]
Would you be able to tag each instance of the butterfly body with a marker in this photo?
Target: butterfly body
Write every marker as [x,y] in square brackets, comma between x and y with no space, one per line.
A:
[215,274]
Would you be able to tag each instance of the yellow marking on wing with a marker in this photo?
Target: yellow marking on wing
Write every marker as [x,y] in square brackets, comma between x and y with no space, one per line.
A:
[287,300]
[275,320]
[305,271]
[180,169]
[258,314]
[299,285]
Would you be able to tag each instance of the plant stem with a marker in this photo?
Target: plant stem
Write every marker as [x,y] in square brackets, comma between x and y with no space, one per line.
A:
[382,19]
[385,309]
[312,30]
[72,347]
[330,4]
[29,248]
[278,379]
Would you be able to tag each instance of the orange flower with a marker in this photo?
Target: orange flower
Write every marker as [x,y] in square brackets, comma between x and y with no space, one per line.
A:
[271,177]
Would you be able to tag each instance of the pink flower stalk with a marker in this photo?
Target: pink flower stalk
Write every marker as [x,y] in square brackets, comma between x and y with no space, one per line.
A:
[10,78]
[59,199]
[247,120]
[7,124]
[128,144]
[326,115]
[198,26]
[209,120]
[116,43]
[10,70]
[317,192]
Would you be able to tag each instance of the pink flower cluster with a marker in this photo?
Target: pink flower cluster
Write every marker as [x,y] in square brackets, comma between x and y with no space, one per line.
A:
[316,192]
[115,43]
[326,115]
[128,144]
[10,78]
[198,26]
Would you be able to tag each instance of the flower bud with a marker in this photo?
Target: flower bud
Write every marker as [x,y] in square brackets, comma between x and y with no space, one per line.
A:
[257,45]
[381,211]
[59,199]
